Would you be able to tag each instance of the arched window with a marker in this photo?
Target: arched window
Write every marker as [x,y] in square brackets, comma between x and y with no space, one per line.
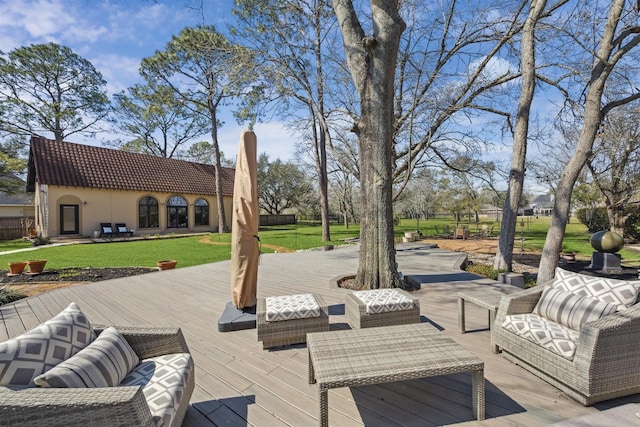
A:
[148,213]
[201,212]
[177,212]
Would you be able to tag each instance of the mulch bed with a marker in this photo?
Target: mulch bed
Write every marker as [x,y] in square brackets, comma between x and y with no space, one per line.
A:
[73,275]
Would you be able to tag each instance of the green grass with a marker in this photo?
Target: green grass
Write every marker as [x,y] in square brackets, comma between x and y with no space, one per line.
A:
[192,251]
[10,245]
[576,239]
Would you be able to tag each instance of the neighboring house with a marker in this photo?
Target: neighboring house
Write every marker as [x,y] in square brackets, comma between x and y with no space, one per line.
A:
[16,211]
[17,205]
[77,187]
[542,205]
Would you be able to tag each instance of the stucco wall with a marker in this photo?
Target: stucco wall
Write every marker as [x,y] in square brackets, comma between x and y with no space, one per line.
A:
[96,206]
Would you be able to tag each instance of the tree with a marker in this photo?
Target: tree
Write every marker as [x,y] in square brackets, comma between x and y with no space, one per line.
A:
[372,63]
[617,37]
[200,152]
[160,122]
[290,40]
[504,255]
[49,88]
[207,71]
[283,185]
[615,163]
[452,69]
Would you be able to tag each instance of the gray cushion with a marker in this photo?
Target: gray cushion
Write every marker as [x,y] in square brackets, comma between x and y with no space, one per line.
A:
[384,300]
[546,333]
[288,307]
[103,363]
[571,310]
[163,380]
[25,357]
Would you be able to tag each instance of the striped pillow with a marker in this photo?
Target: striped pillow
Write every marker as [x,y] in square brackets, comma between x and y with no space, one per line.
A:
[103,363]
[571,310]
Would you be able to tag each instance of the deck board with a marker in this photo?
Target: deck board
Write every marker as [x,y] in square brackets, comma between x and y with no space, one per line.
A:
[240,384]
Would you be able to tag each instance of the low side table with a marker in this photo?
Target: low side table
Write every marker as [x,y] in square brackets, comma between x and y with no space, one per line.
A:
[486,298]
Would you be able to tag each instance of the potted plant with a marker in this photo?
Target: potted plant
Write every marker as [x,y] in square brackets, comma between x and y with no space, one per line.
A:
[36,265]
[16,267]
[167,264]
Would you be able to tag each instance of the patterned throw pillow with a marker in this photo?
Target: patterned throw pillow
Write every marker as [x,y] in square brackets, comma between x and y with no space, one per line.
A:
[288,307]
[623,293]
[26,356]
[103,363]
[383,300]
[570,310]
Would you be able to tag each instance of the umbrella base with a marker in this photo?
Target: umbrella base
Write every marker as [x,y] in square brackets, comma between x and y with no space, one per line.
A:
[236,319]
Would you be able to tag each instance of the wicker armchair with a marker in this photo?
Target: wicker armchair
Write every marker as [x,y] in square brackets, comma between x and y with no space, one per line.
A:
[104,406]
[606,361]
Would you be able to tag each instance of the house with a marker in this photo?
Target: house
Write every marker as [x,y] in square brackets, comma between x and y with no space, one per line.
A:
[78,187]
[17,204]
[542,205]
[16,210]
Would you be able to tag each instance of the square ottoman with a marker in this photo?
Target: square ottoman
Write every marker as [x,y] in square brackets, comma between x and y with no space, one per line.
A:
[285,320]
[381,307]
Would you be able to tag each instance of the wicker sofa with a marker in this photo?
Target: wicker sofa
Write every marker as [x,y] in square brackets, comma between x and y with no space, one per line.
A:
[155,392]
[606,356]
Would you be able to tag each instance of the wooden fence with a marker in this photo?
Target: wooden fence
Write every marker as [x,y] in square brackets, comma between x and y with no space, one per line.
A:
[277,220]
[13,227]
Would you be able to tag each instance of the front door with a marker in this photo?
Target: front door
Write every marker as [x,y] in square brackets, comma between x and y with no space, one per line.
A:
[69,223]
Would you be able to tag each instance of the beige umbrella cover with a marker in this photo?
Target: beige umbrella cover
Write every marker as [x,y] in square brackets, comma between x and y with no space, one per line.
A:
[245,221]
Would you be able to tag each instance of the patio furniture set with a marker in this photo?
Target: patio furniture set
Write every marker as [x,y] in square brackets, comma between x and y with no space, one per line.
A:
[463,232]
[120,230]
[384,322]
[577,332]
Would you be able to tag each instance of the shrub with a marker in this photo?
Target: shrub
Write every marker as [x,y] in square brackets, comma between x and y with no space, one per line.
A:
[595,219]
[9,295]
[632,225]
[483,270]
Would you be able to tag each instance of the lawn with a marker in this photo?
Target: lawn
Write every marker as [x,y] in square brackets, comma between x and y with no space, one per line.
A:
[195,250]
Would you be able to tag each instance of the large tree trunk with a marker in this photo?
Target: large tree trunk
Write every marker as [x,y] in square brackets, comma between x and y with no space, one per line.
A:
[593,116]
[372,62]
[504,255]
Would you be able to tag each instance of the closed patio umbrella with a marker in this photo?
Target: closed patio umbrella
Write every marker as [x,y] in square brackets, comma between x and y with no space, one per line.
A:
[244,228]
[240,312]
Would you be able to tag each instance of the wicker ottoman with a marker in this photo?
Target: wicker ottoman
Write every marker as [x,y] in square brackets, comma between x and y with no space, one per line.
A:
[381,307]
[286,320]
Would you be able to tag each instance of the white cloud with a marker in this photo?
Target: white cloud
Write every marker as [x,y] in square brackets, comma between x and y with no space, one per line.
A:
[119,71]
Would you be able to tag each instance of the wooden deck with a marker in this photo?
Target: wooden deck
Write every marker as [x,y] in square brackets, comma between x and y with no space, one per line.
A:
[239,384]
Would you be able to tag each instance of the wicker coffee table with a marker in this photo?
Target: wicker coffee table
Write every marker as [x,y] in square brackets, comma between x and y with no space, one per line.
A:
[403,352]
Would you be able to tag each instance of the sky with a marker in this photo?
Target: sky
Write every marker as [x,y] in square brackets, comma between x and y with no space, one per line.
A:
[115,35]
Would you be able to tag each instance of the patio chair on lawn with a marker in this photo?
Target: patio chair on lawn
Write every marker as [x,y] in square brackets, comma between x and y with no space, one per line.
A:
[122,230]
[106,230]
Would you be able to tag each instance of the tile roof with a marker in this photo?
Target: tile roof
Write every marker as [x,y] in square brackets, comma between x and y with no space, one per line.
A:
[75,165]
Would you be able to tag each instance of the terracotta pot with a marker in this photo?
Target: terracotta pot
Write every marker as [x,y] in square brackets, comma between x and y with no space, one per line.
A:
[16,267]
[167,264]
[36,266]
